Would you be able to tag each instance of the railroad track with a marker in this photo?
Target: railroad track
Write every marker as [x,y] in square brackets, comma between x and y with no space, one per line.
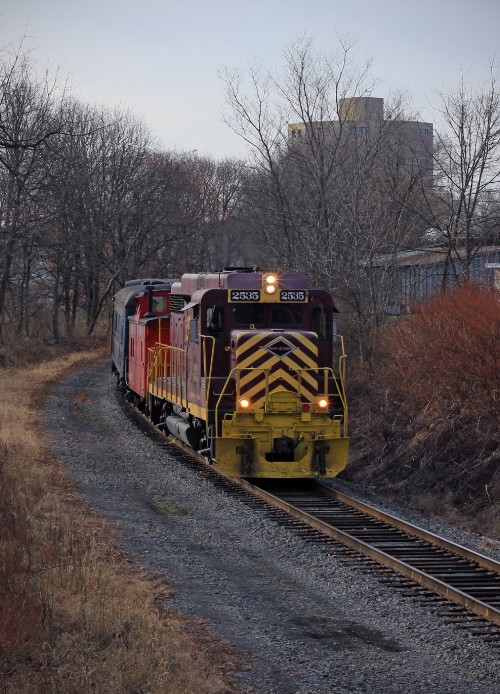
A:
[462,585]
[461,576]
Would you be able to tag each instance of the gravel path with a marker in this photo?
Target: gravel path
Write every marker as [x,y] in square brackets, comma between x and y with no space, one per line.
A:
[305,622]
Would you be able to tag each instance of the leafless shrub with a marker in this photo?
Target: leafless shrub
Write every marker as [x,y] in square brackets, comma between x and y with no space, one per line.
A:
[429,416]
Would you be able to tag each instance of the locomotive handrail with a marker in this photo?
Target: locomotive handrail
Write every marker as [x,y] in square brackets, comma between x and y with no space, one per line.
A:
[153,368]
[342,364]
[221,395]
[152,360]
[340,392]
[204,358]
[165,369]
[152,376]
[266,372]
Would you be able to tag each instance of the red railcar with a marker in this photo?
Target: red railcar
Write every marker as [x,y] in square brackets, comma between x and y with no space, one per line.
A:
[149,326]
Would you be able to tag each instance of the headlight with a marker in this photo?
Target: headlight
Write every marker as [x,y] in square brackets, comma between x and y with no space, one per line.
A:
[270,283]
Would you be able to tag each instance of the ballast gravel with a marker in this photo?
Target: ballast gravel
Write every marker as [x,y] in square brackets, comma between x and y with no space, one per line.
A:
[304,621]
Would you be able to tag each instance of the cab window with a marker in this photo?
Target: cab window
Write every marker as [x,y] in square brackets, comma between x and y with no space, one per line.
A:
[215,321]
[319,321]
[159,304]
[287,315]
[248,314]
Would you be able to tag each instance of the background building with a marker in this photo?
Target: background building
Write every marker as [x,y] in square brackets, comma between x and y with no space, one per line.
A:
[405,147]
[415,275]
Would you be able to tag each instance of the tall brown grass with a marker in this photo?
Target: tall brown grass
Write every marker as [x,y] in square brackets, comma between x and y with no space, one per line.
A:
[75,614]
[427,424]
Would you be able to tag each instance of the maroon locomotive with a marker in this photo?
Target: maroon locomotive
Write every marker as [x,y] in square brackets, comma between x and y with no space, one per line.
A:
[246,374]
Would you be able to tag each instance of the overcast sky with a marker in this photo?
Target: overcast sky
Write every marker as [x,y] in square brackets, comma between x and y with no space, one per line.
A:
[161,57]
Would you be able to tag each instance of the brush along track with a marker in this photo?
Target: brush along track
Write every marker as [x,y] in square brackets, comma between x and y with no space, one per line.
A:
[430,566]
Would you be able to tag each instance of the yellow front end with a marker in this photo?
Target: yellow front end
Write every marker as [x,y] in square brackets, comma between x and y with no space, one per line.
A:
[287,422]
[281,441]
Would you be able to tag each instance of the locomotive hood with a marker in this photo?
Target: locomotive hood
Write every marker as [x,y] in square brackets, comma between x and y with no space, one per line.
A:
[269,361]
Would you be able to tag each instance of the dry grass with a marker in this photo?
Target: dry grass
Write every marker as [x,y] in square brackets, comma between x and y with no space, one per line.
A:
[75,615]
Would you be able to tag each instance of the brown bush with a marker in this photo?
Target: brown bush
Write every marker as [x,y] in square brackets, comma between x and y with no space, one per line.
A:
[20,607]
[18,352]
[445,357]
[427,420]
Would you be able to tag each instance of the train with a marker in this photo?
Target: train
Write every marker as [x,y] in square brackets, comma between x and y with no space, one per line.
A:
[242,366]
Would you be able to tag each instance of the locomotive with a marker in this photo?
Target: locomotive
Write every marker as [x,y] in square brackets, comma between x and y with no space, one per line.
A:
[239,366]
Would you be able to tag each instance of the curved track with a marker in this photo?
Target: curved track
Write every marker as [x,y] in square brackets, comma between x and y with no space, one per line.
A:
[430,566]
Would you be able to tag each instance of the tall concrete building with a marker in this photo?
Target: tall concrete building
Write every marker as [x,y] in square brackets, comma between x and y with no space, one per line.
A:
[404,146]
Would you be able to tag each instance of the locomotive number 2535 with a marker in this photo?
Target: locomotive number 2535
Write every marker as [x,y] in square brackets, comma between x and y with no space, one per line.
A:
[244,295]
[292,295]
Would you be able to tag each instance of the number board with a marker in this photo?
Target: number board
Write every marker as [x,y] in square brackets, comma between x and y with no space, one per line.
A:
[237,295]
[293,295]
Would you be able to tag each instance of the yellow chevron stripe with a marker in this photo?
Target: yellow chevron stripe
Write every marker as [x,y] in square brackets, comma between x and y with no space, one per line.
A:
[297,357]
[308,376]
[306,341]
[250,375]
[307,362]
[252,351]
[309,390]
[281,374]
[252,358]
[309,380]
[250,343]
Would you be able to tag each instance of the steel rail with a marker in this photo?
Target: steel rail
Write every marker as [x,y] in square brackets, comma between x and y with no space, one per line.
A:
[423,577]
[415,530]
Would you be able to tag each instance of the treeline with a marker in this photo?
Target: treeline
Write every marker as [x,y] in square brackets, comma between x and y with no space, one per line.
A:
[339,201]
[87,200]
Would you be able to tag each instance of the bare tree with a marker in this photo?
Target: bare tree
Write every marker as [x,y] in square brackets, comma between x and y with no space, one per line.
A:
[317,190]
[29,121]
[220,185]
[464,205]
[103,178]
